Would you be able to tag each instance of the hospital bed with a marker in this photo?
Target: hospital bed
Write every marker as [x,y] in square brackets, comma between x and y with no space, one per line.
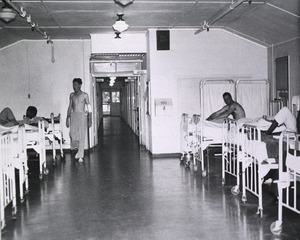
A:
[35,139]
[244,91]
[256,161]
[54,135]
[194,137]
[188,141]
[230,151]
[289,177]
[210,134]
[245,157]
[7,178]
[259,155]
[18,154]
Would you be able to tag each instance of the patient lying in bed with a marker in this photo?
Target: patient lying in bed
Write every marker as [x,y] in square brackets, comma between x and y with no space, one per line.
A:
[31,117]
[7,118]
[284,120]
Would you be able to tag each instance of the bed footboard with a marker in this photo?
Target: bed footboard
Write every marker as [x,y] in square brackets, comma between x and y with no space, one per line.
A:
[255,163]
[289,178]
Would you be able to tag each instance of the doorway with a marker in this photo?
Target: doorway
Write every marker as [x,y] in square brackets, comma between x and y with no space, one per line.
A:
[111,103]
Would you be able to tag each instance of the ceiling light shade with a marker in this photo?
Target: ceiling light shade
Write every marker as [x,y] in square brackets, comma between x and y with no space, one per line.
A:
[120,25]
[124,2]
[7,15]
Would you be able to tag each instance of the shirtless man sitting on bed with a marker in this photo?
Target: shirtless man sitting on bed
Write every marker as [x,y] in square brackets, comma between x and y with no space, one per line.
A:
[232,108]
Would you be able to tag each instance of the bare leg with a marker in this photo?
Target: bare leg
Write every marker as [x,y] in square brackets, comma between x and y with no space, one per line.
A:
[7,118]
[272,127]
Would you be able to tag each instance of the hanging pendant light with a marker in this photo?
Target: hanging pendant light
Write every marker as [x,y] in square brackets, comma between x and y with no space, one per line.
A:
[120,25]
[7,14]
[124,2]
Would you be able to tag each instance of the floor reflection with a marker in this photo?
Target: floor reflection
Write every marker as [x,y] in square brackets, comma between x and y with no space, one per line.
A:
[122,192]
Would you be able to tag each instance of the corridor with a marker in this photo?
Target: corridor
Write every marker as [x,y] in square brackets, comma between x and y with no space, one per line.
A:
[121,192]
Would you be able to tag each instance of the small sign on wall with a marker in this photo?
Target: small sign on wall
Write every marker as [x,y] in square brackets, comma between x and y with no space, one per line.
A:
[163,39]
[163,107]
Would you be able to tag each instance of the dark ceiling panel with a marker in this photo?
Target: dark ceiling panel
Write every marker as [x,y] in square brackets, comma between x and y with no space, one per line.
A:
[272,28]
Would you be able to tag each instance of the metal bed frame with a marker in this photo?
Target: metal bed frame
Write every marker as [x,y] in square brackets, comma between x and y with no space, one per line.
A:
[289,178]
[55,135]
[7,178]
[255,163]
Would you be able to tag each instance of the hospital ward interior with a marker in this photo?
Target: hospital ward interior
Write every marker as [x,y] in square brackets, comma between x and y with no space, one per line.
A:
[157,119]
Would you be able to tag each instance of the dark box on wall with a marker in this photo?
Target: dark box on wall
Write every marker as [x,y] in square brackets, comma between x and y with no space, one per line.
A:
[163,39]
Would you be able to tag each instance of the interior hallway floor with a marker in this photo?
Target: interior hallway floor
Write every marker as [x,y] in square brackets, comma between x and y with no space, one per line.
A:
[121,192]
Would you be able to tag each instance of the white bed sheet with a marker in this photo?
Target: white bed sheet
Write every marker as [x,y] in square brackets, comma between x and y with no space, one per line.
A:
[212,130]
[14,129]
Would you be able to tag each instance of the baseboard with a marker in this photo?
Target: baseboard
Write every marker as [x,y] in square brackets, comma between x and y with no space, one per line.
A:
[166,155]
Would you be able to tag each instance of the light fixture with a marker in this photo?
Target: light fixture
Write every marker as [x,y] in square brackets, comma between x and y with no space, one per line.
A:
[7,14]
[112,81]
[120,25]
[124,2]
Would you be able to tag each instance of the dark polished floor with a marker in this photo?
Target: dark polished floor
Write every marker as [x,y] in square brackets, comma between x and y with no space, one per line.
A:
[120,192]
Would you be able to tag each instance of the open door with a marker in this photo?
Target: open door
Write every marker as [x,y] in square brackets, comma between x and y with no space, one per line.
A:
[144,111]
[136,114]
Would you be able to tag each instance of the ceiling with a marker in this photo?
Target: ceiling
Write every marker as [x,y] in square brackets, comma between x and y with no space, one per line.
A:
[266,22]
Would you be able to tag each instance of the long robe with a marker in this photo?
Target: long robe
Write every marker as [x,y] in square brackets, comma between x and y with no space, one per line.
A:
[78,127]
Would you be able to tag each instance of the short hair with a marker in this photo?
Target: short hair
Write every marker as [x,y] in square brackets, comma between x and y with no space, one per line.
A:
[78,80]
[31,112]
[227,94]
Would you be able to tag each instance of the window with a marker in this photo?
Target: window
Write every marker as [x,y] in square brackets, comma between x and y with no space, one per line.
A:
[115,97]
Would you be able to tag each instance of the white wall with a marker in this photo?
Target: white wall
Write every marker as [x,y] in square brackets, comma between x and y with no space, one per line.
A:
[191,58]
[128,43]
[26,68]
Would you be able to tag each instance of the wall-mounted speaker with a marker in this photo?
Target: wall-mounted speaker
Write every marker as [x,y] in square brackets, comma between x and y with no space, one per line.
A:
[163,39]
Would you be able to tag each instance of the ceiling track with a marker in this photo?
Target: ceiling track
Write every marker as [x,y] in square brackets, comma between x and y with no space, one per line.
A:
[206,24]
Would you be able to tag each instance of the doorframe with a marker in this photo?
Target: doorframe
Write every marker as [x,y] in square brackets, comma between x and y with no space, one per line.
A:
[287,57]
[138,75]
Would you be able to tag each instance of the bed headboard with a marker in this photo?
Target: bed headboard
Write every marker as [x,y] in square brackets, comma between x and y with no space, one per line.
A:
[253,95]
[211,94]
